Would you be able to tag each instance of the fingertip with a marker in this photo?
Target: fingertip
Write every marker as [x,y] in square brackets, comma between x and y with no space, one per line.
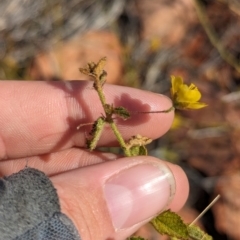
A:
[162,114]
[124,194]
[182,187]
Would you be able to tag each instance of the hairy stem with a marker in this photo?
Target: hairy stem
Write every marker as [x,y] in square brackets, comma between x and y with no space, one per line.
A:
[120,139]
[99,89]
[172,108]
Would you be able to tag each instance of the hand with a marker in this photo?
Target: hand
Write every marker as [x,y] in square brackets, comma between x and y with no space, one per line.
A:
[105,195]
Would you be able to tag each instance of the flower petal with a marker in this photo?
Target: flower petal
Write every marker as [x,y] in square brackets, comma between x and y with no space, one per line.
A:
[193,95]
[176,84]
[190,105]
[196,105]
[184,96]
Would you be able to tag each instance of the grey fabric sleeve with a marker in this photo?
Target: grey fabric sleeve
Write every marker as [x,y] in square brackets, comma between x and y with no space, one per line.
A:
[30,210]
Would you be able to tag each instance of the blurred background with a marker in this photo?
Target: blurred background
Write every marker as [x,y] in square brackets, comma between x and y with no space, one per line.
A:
[146,42]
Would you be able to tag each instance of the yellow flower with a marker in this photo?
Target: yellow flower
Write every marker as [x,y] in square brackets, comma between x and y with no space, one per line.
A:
[184,96]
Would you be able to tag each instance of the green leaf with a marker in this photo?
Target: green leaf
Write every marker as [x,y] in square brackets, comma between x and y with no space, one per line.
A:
[95,133]
[171,224]
[121,112]
[136,238]
[138,151]
[197,234]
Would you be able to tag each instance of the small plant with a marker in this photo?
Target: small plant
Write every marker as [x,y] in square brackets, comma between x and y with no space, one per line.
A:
[183,97]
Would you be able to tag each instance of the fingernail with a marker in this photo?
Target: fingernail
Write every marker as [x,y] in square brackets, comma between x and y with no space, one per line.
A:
[138,193]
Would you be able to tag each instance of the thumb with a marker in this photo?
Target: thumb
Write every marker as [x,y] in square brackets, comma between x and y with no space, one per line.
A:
[112,200]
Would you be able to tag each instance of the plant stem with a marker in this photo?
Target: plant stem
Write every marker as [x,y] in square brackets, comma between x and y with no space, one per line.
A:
[102,98]
[162,111]
[118,135]
[120,139]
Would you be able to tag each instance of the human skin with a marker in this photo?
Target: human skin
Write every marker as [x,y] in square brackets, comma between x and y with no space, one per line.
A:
[39,128]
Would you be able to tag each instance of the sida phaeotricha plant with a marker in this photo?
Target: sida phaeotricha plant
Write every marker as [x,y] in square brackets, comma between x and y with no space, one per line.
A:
[183,97]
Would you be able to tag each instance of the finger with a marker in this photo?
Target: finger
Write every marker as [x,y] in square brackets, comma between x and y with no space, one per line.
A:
[58,162]
[113,199]
[42,117]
